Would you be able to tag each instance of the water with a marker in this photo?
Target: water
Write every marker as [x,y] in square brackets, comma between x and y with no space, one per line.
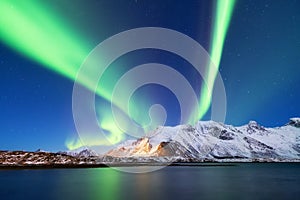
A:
[242,181]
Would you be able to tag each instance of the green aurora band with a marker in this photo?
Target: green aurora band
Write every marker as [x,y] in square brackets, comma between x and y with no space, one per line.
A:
[221,21]
[32,29]
[27,27]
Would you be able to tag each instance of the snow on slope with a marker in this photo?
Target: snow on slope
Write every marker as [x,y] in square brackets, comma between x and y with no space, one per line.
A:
[213,140]
[80,152]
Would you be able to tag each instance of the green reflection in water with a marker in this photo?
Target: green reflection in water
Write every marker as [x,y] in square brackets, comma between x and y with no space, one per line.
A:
[105,184]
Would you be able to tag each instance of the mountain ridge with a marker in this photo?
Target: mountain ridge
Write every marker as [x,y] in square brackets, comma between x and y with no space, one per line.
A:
[207,141]
[215,141]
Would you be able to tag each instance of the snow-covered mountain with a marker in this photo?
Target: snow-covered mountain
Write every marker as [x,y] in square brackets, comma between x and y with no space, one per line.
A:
[213,141]
[206,141]
[80,152]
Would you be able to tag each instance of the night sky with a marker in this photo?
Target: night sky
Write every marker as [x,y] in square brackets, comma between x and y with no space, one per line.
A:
[260,64]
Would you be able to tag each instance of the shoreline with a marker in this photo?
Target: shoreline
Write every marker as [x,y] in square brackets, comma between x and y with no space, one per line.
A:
[109,165]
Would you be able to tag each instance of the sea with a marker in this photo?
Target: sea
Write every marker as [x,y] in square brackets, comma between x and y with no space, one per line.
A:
[229,181]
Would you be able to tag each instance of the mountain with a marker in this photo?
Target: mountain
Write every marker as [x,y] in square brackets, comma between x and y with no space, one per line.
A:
[207,141]
[80,152]
[22,158]
[213,141]
[84,158]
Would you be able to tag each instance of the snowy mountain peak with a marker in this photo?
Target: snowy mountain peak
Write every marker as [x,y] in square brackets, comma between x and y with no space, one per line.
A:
[253,123]
[294,122]
[253,126]
[80,152]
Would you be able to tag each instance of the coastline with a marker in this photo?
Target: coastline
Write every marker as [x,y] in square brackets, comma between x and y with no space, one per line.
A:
[108,165]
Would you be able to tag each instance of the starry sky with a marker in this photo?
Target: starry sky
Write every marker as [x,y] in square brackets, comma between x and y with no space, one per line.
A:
[260,64]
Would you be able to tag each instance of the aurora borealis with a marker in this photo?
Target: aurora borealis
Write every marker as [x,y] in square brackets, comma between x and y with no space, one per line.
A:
[37,33]
[221,21]
[58,36]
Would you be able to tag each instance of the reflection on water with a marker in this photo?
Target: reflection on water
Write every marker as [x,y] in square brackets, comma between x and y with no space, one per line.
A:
[243,181]
[105,184]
